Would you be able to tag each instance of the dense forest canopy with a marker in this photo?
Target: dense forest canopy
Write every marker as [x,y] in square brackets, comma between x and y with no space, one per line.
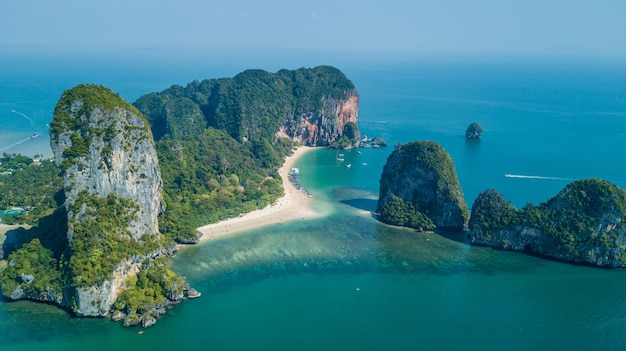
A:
[217,140]
[34,186]
[586,216]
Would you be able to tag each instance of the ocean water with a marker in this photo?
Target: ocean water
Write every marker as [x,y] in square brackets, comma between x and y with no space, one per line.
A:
[345,281]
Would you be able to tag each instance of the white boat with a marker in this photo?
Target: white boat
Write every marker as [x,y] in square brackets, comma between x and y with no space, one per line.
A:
[349,165]
[339,159]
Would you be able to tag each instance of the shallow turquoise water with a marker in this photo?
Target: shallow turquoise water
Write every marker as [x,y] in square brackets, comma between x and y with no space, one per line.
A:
[345,281]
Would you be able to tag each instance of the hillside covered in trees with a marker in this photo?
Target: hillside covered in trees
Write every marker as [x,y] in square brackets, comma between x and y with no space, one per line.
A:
[221,141]
[583,223]
[419,188]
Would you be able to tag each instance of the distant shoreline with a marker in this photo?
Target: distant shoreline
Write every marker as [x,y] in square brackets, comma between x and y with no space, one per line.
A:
[294,205]
[29,146]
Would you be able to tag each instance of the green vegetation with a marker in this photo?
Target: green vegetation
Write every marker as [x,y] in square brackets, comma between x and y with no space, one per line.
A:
[217,145]
[491,212]
[253,105]
[419,187]
[9,163]
[350,134]
[586,213]
[100,238]
[34,268]
[150,287]
[80,101]
[73,109]
[215,177]
[218,153]
[34,187]
[474,131]
[399,212]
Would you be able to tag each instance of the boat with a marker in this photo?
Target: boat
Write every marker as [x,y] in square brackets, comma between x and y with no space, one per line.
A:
[339,159]
[349,165]
[364,163]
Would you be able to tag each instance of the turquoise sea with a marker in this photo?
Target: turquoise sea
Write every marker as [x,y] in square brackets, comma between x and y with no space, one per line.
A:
[347,282]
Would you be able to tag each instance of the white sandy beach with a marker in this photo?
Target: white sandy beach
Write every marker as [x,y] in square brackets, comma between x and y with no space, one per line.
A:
[292,206]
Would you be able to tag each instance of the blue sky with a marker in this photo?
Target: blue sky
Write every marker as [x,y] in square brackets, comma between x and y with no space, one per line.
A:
[389,28]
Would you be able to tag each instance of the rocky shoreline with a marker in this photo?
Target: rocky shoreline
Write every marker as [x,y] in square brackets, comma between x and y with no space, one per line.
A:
[148,317]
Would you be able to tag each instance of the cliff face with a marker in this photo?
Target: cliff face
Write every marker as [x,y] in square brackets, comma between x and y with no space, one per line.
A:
[111,152]
[583,223]
[113,193]
[474,131]
[217,135]
[325,127]
[419,188]
[310,106]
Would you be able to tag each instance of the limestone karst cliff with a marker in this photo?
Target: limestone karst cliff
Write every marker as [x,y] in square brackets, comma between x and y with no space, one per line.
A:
[310,106]
[474,131]
[583,223]
[419,188]
[113,186]
[105,147]
[327,126]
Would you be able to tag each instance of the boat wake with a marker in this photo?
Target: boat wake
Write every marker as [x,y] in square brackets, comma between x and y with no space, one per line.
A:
[508,175]
[30,120]
[33,136]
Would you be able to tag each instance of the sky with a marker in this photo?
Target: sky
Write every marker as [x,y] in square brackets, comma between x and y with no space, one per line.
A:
[363,28]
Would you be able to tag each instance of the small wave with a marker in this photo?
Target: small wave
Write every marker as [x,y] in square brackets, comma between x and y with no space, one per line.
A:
[523,176]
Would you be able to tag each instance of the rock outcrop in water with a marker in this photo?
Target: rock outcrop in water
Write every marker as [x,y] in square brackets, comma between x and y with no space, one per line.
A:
[115,259]
[113,193]
[474,131]
[583,224]
[419,188]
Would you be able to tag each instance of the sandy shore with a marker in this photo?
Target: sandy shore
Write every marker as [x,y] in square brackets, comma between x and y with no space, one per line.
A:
[292,206]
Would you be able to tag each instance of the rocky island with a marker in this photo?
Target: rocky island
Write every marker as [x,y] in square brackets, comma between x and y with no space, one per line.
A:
[583,224]
[113,250]
[474,131]
[419,188]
